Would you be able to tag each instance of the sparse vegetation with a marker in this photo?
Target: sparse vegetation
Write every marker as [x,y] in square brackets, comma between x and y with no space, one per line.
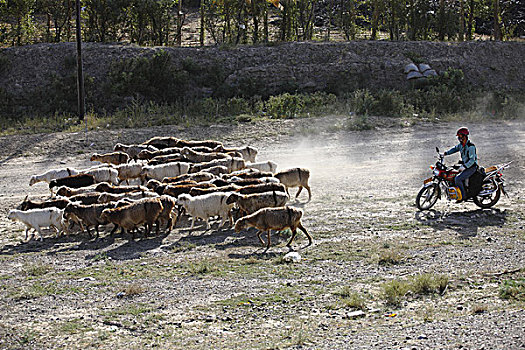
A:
[395,291]
[513,290]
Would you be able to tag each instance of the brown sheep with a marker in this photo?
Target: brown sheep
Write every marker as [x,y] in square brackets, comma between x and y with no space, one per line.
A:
[105,187]
[128,217]
[200,157]
[268,219]
[296,177]
[259,188]
[88,215]
[177,190]
[116,158]
[198,177]
[250,203]
[29,204]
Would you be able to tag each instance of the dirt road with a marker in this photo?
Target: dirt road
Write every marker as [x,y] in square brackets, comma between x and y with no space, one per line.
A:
[215,288]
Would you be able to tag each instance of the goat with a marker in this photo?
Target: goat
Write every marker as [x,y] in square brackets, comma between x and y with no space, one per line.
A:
[260,188]
[267,166]
[74,181]
[133,150]
[54,203]
[196,191]
[193,144]
[103,175]
[250,203]
[86,198]
[161,142]
[105,187]
[198,177]
[267,219]
[169,158]
[167,214]
[147,155]
[52,175]
[36,219]
[233,164]
[159,172]
[110,197]
[206,206]
[248,153]
[295,177]
[87,215]
[130,216]
[247,174]
[116,158]
[65,191]
[177,190]
[128,172]
[201,157]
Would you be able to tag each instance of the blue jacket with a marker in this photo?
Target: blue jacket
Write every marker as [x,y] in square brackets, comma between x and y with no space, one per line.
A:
[468,153]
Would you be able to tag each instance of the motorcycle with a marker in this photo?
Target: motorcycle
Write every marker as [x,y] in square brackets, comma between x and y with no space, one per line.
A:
[484,187]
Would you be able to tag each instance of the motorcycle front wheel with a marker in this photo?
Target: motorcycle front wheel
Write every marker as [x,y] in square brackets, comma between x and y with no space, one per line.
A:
[427,197]
[488,200]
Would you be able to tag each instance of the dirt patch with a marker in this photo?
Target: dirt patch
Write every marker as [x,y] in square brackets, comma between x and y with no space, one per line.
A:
[217,289]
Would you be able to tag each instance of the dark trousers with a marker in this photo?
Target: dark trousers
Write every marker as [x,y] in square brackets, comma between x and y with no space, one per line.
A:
[460,179]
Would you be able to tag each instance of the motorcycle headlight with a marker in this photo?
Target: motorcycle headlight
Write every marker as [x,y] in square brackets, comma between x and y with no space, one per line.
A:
[436,172]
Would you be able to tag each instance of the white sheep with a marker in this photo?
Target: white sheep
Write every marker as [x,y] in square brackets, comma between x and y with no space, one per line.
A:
[104,174]
[206,206]
[128,172]
[160,171]
[38,218]
[267,166]
[53,174]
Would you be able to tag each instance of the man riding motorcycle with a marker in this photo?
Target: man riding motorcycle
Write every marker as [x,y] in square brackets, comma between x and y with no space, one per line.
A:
[468,157]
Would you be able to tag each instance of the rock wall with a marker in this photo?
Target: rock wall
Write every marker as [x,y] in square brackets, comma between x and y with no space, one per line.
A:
[301,67]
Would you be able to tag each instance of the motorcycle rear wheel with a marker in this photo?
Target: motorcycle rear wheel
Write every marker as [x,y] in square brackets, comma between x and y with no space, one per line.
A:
[488,201]
[427,197]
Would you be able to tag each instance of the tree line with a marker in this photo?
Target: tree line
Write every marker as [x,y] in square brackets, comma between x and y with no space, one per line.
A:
[162,22]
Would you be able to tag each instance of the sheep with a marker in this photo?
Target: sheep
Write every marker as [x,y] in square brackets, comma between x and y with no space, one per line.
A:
[103,175]
[198,177]
[128,172]
[193,144]
[248,182]
[129,217]
[87,215]
[217,170]
[133,150]
[109,197]
[159,172]
[116,158]
[295,177]
[86,198]
[38,218]
[161,142]
[260,188]
[233,164]
[267,219]
[201,157]
[250,203]
[197,191]
[206,206]
[248,153]
[55,203]
[52,175]
[267,166]
[74,181]
[105,187]
[167,214]
[247,174]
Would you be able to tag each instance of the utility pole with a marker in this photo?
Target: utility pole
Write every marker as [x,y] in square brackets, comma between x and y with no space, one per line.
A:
[80,73]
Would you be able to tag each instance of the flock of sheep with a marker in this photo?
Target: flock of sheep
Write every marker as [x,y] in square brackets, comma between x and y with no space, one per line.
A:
[170,177]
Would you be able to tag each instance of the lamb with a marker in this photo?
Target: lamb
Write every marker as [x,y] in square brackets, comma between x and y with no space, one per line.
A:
[74,181]
[87,215]
[250,203]
[159,172]
[133,150]
[116,158]
[260,188]
[248,153]
[206,206]
[129,217]
[201,157]
[268,219]
[128,172]
[103,175]
[267,166]
[38,218]
[295,177]
[54,203]
[52,175]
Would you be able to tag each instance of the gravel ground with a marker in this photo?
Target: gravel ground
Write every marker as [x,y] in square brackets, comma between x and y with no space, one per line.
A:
[216,288]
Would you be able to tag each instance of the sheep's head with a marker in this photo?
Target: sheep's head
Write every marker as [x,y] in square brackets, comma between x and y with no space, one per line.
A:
[12,215]
[241,224]
[24,204]
[64,191]
[119,147]
[32,181]
[94,157]
[232,198]
[105,214]
[183,199]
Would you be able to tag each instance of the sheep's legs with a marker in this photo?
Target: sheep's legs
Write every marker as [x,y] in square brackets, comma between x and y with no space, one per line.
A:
[298,192]
[27,233]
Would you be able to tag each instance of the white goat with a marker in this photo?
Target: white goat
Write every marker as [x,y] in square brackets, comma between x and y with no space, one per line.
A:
[105,174]
[267,166]
[206,206]
[128,172]
[38,218]
[52,175]
[159,172]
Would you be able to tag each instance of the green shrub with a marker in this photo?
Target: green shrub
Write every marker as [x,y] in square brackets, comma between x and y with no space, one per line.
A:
[513,289]
[284,106]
